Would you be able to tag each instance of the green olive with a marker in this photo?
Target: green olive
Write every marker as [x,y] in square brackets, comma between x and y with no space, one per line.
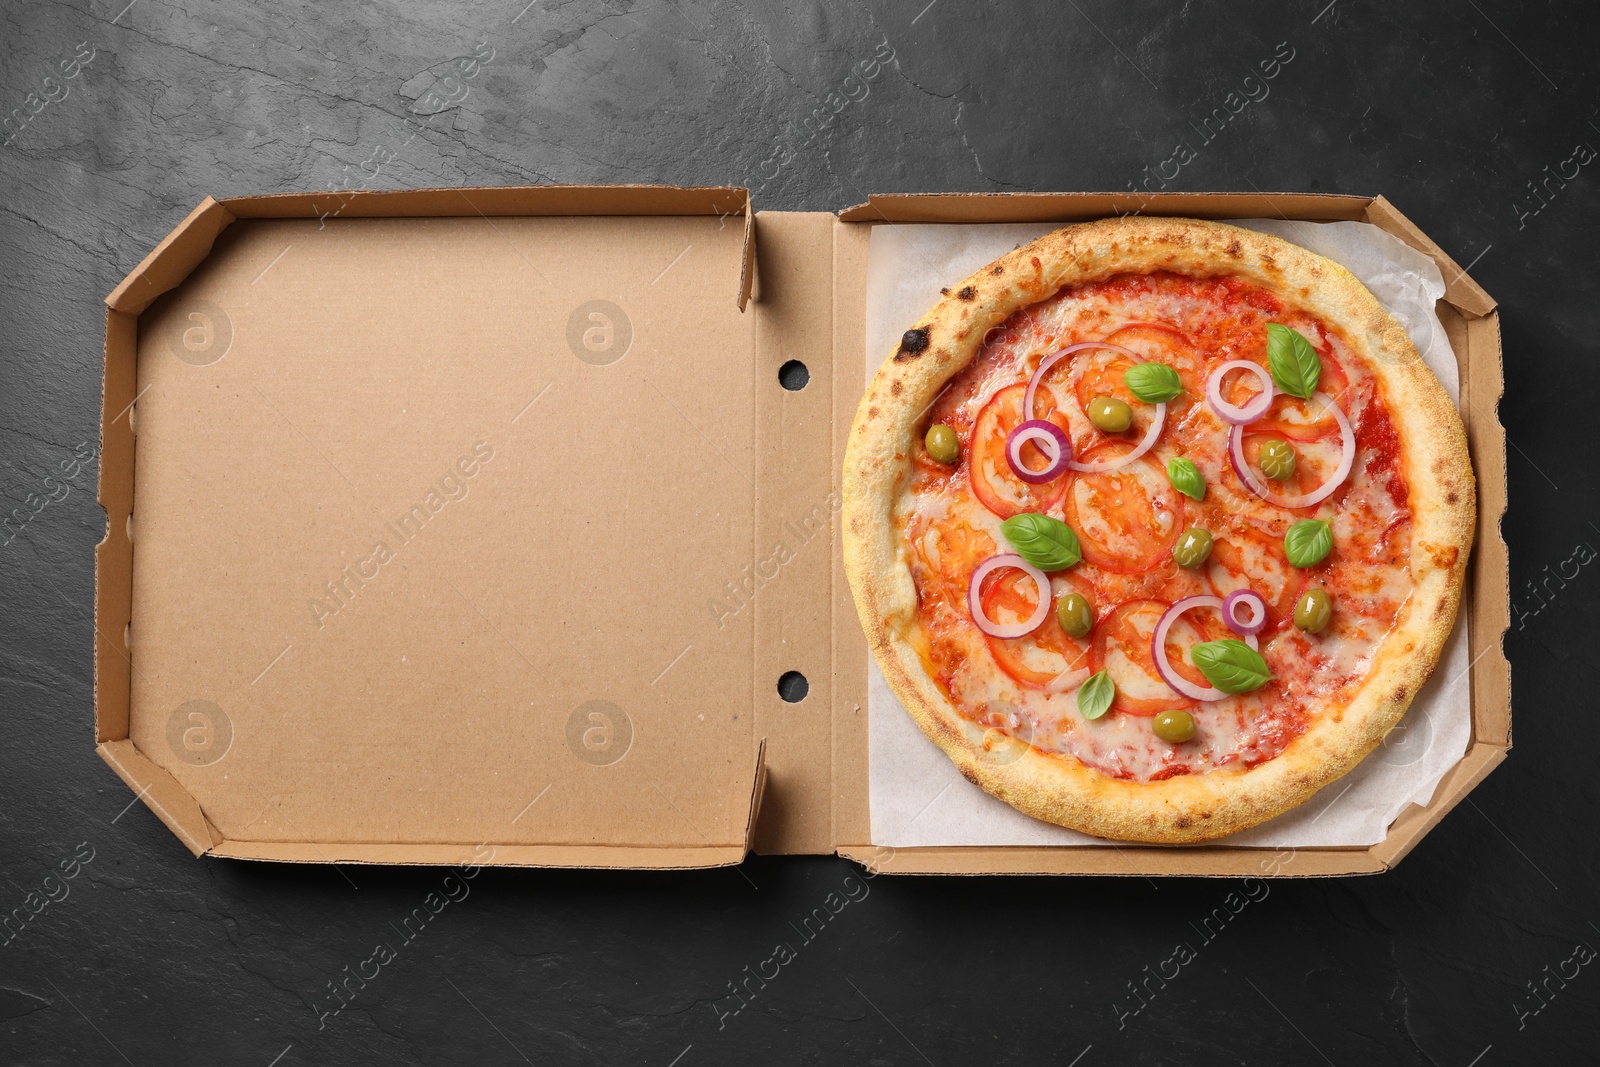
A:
[1277,459]
[1193,547]
[942,444]
[1313,611]
[1174,726]
[1075,614]
[1110,414]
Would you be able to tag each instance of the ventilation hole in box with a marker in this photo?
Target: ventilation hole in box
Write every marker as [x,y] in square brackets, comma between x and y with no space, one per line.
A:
[793,376]
[129,527]
[793,687]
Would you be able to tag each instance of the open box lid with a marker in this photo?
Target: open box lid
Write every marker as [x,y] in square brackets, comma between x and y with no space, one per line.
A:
[433,488]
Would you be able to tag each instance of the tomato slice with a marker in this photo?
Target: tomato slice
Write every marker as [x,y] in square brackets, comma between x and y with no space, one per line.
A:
[1102,376]
[1165,344]
[1126,519]
[1152,340]
[953,551]
[1122,649]
[1242,560]
[1039,658]
[993,480]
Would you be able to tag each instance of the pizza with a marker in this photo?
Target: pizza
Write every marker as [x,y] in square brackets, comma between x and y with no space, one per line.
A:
[1156,526]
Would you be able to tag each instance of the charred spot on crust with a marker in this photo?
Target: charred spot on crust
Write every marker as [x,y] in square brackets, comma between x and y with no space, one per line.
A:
[967,293]
[1183,822]
[944,292]
[998,270]
[1452,497]
[872,413]
[895,388]
[1401,694]
[912,344]
[1235,249]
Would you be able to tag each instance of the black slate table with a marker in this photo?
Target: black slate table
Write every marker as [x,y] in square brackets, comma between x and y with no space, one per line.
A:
[1476,119]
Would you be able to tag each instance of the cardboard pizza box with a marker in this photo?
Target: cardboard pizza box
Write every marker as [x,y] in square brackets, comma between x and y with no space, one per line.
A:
[500,526]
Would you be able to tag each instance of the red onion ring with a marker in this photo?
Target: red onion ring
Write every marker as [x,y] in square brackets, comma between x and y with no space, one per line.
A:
[1156,422]
[1253,408]
[1051,439]
[1317,495]
[1258,612]
[1055,357]
[1008,631]
[1158,648]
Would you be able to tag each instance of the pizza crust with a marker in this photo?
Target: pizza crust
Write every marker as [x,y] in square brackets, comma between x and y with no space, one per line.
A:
[1057,788]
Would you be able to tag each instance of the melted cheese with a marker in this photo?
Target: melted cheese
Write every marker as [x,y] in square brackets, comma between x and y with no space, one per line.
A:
[1206,322]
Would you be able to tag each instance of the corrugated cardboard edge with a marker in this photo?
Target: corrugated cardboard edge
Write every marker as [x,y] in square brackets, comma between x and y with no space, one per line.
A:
[490,202]
[1491,569]
[161,793]
[1473,323]
[588,857]
[489,854]
[1128,862]
[163,269]
[171,261]
[1052,207]
[113,556]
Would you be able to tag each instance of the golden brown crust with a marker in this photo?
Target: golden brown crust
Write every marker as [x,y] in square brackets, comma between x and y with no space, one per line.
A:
[1058,788]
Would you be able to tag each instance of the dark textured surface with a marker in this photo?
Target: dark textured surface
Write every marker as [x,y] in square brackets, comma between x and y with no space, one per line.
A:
[155,958]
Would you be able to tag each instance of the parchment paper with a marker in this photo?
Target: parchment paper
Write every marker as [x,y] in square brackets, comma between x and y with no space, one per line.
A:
[919,799]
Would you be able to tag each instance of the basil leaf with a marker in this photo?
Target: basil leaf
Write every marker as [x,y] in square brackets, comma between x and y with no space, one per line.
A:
[1047,543]
[1308,542]
[1186,478]
[1295,365]
[1232,666]
[1095,696]
[1154,383]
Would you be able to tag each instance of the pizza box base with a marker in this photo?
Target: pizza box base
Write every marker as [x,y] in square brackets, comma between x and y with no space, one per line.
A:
[475,526]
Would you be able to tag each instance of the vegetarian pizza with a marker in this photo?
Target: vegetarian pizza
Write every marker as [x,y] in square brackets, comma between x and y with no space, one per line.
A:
[1156,526]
